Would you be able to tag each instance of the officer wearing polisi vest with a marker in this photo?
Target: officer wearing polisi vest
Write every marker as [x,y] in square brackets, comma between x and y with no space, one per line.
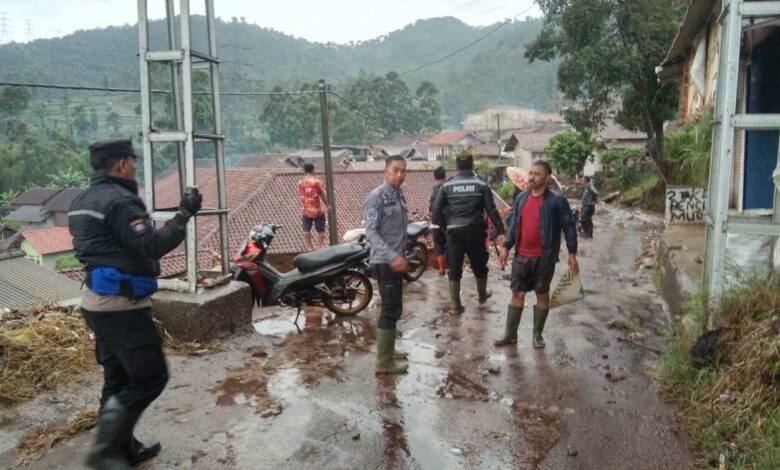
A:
[460,208]
[114,238]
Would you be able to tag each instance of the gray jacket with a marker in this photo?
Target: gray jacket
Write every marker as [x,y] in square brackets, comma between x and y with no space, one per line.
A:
[385,219]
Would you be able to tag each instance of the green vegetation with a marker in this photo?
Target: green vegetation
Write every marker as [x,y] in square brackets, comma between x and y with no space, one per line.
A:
[609,51]
[688,152]
[67,261]
[567,151]
[730,404]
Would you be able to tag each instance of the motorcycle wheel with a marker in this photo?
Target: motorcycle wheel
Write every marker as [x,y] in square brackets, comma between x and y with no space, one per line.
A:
[420,252]
[351,292]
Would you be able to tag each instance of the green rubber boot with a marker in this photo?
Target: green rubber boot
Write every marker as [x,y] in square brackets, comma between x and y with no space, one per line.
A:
[482,290]
[385,346]
[513,315]
[457,307]
[540,317]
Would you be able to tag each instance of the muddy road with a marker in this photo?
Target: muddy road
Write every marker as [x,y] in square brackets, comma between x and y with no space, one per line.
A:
[277,398]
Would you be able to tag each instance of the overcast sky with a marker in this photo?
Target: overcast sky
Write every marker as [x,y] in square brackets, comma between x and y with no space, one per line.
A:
[335,20]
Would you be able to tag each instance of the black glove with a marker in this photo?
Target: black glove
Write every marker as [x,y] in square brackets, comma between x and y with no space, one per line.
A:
[191,202]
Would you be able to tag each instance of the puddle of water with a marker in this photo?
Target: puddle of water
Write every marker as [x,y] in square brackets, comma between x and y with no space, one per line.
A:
[278,327]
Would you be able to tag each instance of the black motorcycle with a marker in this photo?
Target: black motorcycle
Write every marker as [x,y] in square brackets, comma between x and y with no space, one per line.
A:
[330,277]
[416,249]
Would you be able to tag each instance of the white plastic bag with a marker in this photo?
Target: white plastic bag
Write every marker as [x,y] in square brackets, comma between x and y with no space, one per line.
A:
[568,290]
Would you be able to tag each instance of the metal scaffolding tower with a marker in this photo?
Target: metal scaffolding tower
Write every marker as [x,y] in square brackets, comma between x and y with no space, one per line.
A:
[182,61]
[735,15]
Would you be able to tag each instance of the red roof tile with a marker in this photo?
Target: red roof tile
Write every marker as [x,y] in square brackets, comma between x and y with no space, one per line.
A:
[448,138]
[240,185]
[49,240]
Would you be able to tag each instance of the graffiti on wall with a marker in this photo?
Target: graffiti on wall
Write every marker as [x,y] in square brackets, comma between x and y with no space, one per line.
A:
[685,205]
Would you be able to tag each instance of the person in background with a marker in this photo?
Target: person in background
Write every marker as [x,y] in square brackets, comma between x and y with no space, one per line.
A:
[116,241]
[314,206]
[588,207]
[539,215]
[385,219]
[460,209]
[439,236]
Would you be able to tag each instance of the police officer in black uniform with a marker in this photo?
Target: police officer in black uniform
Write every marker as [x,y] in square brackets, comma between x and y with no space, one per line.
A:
[114,238]
[460,209]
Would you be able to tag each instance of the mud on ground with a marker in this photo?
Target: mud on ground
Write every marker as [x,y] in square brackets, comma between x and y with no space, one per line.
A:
[281,398]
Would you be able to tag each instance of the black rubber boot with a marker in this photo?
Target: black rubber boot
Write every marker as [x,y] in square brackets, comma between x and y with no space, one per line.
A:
[482,291]
[513,315]
[110,450]
[540,317]
[140,452]
[457,306]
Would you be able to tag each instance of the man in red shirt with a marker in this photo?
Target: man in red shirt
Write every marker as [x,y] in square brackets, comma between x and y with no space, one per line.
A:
[314,201]
[538,217]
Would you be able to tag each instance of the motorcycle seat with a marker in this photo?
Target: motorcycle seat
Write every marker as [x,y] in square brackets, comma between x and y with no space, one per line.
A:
[325,256]
[414,229]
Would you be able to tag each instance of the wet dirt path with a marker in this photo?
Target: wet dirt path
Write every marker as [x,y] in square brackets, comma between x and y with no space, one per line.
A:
[280,399]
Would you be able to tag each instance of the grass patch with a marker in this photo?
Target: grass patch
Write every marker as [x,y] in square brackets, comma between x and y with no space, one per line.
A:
[39,441]
[731,408]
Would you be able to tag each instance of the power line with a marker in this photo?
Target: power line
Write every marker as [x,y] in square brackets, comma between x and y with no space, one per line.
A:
[467,46]
[369,115]
[136,90]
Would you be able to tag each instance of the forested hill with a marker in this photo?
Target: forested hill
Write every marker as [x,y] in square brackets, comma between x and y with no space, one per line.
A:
[492,72]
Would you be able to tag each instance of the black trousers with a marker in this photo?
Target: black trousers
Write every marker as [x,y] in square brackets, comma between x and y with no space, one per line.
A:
[440,242]
[129,348]
[391,292]
[467,241]
[586,220]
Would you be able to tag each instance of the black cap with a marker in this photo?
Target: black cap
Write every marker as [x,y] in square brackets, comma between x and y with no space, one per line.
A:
[464,161]
[105,150]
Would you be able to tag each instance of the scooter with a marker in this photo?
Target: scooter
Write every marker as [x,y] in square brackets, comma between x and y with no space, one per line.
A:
[328,277]
[416,250]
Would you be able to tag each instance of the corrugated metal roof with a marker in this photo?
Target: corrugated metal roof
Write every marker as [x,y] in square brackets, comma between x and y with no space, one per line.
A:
[35,197]
[62,201]
[24,283]
[698,14]
[28,214]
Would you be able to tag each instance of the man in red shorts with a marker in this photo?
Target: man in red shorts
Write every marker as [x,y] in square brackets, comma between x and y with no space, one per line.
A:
[538,218]
[312,192]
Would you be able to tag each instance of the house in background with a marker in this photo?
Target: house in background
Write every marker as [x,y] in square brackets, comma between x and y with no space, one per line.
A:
[26,284]
[526,147]
[447,143]
[48,247]
[59,206]
[267,161]
[28,209]
[34,197]
[694,58]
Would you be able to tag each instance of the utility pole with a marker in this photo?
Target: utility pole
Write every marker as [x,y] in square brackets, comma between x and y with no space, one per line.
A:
[29,28]
[498,138]
[5,27]
[333,228]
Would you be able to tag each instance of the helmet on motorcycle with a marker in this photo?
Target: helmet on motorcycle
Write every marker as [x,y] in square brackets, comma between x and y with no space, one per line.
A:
[262,233]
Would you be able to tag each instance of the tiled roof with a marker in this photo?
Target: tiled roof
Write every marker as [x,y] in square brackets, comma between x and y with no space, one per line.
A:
[74,274]
[34,197]
[351,188]
[267,161]
[28,214]
[25,283]
[49,240]
[240,184]
[380,166]
[533,141]
[61,202]
[614,131]
[485,150]
[448,138]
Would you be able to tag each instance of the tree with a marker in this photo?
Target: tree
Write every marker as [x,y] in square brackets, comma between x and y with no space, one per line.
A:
[68,177]
[428,108]
[114,121]
[567,151]
[6,198]
[13,101]
[609,50]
